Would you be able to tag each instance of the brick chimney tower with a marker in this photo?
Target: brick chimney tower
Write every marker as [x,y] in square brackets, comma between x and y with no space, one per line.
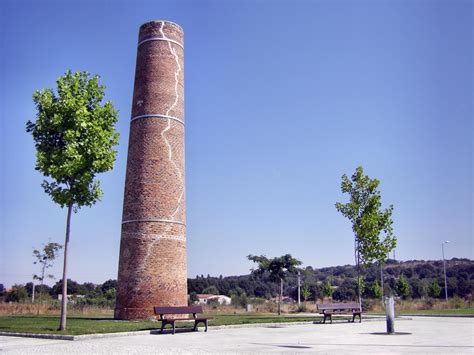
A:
[152,265]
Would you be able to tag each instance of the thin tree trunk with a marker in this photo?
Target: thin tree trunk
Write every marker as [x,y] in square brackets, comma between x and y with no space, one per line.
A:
[358,273]
[40,299]
[281,297]
[381,280]
[33,292]
[359,284]
[62,323]
[299,289]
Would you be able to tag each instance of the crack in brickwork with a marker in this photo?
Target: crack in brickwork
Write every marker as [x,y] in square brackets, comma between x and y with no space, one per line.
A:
[141,271]
[170,151]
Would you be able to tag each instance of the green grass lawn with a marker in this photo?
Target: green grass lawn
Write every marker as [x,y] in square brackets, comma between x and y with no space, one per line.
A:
[453,311]
[92,325]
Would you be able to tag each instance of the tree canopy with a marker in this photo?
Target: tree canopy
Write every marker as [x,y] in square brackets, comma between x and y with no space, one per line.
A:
[402,287]
[277,268]
[74,134]
[369,221]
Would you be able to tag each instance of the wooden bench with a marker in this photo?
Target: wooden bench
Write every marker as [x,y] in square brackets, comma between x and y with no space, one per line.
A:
[328,309]
[164,311]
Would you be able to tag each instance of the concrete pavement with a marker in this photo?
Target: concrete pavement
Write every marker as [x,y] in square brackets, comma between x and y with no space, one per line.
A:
[419,335]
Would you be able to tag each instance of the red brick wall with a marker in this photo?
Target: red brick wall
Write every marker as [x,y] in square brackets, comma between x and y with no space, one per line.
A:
[152,265]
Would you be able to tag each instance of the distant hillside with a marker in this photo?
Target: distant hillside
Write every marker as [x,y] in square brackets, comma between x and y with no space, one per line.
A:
[420,275]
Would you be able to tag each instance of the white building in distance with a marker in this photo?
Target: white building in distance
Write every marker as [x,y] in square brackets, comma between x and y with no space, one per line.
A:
[207,299]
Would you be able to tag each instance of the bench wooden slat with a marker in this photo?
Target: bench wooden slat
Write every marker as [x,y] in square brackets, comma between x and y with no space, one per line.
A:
[178,310]
[330,306]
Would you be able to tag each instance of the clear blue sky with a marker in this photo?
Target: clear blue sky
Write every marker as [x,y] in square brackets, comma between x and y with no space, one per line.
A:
[282,98]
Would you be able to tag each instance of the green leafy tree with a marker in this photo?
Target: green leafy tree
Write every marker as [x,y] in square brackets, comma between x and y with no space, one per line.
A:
[434,290]
[277,269]
[371,225]
[328,290]
[45,258]
[376,290]
[402,287]
[74,135]
[73,288]
[107,285]
[238,297]
[17,293]
[212,290]
[110,294]
[305,292]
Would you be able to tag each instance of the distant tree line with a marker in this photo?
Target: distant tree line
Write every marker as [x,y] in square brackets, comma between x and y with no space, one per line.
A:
[102,295]
[409,279]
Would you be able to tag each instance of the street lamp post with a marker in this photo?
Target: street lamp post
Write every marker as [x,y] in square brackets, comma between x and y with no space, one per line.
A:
[444,267]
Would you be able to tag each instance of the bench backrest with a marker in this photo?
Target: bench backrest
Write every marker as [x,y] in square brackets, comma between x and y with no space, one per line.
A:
[178,310]
[337,306]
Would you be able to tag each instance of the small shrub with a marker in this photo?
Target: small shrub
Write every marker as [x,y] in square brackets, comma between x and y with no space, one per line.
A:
[213,303]
[428,304]
[367,304]
[434,290]
[456,302]
[302,308]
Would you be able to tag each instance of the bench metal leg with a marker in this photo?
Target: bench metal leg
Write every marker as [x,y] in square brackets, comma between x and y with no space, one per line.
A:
[327,316]
[164,323]
[200,321]
[354,315]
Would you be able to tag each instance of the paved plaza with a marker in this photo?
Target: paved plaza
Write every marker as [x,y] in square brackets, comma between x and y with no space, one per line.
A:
[425,335]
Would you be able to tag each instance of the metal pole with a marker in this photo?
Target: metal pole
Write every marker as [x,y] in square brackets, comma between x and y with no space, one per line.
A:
[381,279]
[444,267]
[299,293]
[390,314]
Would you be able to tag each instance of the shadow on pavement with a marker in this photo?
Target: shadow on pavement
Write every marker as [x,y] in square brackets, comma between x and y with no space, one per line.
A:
[170,331]
[310,346]
[385,333]
[285,346]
